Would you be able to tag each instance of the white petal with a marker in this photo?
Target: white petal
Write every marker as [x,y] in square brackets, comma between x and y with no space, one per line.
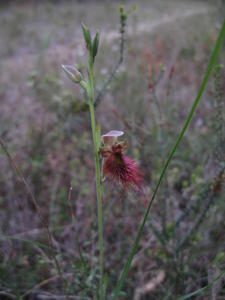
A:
[110,137]
[113,133]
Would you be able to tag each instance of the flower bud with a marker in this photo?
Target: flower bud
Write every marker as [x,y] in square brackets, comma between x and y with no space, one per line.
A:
[162,68]
[72,73]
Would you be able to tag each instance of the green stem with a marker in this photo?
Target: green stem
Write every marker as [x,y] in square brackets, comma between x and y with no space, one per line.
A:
[179,138]
[98,172]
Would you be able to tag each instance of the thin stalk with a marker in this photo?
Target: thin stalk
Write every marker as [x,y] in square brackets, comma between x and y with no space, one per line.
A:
[174,149]
[102,91]
[75,227]
[98,173]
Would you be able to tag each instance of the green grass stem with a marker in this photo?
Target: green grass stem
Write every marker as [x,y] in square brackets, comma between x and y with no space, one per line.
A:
[201,290]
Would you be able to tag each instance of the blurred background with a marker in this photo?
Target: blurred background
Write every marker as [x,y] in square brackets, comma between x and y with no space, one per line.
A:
[156,67]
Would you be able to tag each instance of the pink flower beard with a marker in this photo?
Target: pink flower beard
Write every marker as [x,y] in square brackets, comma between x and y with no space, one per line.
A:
[123,170]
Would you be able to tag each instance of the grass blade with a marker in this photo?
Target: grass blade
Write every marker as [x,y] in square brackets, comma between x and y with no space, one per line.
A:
[199,291]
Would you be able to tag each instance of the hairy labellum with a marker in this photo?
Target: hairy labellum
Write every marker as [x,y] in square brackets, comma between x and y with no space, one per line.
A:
[120,168]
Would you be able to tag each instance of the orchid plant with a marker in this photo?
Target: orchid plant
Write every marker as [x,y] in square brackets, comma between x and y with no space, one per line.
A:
[116,166]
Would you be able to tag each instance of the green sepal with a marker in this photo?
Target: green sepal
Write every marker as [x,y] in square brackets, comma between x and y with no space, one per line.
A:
[84,85]
[95,45]
[87,36]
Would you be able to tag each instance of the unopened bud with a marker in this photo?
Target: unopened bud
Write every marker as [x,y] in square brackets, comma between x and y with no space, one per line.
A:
[121,9]
[162,68]
[72,73]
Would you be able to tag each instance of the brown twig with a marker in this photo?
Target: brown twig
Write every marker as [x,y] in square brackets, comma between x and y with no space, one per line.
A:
[43,283]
